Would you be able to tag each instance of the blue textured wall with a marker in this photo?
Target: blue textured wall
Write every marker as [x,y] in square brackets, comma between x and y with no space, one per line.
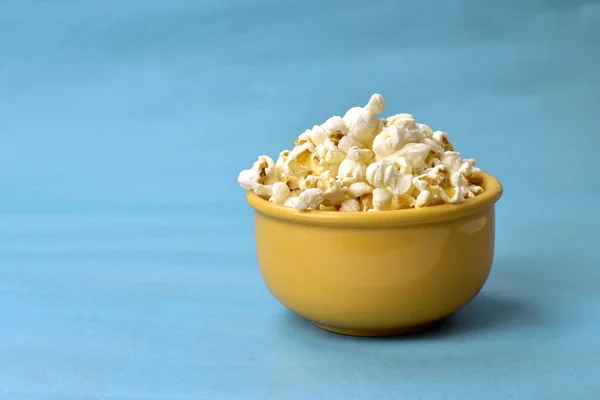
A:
[127,266]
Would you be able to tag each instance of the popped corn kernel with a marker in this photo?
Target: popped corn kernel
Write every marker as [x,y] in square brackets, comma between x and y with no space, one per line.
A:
[350,205]
[351,171]
[383,200]
[359,189]
[279,193]
[310,198]
[381,174]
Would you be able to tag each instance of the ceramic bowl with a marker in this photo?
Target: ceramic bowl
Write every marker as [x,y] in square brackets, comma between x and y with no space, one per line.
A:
[377,273]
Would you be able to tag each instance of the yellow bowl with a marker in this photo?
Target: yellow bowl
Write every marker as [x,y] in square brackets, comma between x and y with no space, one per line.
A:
[377,273]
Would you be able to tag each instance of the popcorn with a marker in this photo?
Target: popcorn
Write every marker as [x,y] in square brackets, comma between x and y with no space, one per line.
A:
[474,190]
[362,163]
[291,201]
[308,182]
[422,199]
[317,135]
[381,174]
[351,171]
[350,205]
[260,177]
[406,125]
[335,125]
[452,160]
[402,185]
[433,145]
[383,200]
[333,155]
[424,130]
[366,202]
[414,153]
[310,198]
[442,139]
[362,121]
[358,189]
[281,162]
[405,201]
[265,191]
[362,155]
[346,143]
[334,192]
[279,193]
[300,160]
[376,104]
[262,171]
[388,141]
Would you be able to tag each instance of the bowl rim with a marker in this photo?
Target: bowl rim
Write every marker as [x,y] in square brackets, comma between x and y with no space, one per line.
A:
[412,216]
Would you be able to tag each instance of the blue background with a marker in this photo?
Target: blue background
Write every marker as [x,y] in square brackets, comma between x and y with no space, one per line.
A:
[127,265]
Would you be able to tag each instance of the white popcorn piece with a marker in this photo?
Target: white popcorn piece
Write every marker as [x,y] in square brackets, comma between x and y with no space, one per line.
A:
[453,193]
[308,182]
[381,174]
[366,202]
[400,119]
[383,200]
[405,201]
[265,191]
[361,124]
[351,171]
[376,104]
[406,126]
[424,130]
[442,139]
[320,151]
[434,146]
[362,121]
[263,172]
[432,161]
[291,201]
[302,138]
[350,205]
[334,192]
[280,193]
[246,178]
[281,161]
[388,141]
[423,199]
[474,190]
[300,160]
[402,184]
[362,155]
[399,162]
[293,182]
[335,124]
[472,162]
[346,143]
[414,154]
[317,135]
[452,160]
[437,175]
[419,183]
[359,189]
[310,198]
[333,155]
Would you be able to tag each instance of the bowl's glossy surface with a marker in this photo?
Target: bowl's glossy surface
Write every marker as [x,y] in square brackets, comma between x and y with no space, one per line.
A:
[377,273]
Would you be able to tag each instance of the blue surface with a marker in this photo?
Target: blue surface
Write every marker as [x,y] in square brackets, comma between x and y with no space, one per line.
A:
[127,266]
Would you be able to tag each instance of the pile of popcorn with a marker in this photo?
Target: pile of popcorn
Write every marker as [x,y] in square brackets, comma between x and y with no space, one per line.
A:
[360,162]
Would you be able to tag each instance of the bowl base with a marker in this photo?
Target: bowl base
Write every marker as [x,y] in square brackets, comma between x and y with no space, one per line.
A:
[379,332]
